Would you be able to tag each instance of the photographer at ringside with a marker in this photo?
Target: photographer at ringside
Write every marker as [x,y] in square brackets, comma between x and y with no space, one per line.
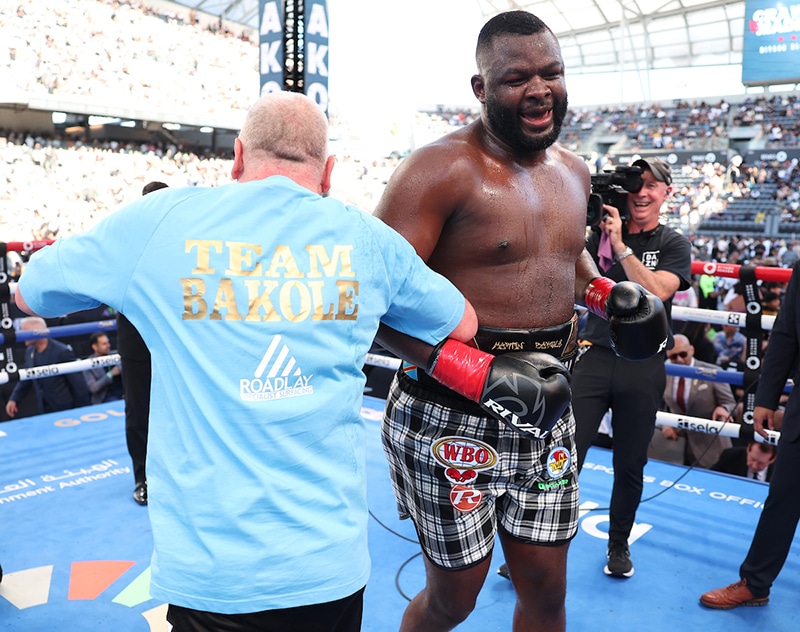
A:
[629,245]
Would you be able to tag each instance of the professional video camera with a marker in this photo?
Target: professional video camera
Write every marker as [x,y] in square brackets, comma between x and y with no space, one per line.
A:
[612,188]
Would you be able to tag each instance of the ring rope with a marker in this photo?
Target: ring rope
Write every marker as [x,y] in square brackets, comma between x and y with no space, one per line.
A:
[26,246]
[734,271]
[718,317]
[708,426]
[50,370]
[65,331]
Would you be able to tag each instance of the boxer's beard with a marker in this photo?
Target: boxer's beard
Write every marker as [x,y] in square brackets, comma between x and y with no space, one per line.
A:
[505,123]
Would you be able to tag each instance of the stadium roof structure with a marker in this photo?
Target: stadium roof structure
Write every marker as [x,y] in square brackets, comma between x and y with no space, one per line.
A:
[604,35]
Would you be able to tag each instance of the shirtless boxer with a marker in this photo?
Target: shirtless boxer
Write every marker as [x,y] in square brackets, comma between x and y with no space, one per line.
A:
[499,209]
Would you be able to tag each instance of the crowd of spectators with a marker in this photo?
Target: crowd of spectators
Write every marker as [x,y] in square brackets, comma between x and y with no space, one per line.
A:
[86,181]
[112,51]
[51,188]
[117,51]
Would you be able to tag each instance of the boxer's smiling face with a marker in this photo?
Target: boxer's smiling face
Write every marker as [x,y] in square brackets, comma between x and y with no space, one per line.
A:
[523,91]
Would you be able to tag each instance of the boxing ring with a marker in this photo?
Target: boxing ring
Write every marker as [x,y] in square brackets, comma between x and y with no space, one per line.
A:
[78,548]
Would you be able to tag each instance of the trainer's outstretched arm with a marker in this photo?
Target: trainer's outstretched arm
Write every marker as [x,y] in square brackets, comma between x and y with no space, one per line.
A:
[22,304]
[418,352]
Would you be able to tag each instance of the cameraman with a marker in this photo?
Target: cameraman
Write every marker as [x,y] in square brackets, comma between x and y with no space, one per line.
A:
[636,247]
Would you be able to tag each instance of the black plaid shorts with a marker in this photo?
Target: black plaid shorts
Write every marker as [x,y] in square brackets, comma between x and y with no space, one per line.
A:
[460,474]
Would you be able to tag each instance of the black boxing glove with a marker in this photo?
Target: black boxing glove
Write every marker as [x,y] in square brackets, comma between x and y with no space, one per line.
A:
[528,391]
[637,318]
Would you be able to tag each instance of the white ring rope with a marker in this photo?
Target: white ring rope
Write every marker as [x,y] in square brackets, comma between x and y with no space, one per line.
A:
[716,317]
[49,370]
[709,426]
[690,314]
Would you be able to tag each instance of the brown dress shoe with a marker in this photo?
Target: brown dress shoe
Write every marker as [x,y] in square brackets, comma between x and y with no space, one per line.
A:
[732,596]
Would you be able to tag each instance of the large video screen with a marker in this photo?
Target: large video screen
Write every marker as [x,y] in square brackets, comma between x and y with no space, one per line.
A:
[771,42]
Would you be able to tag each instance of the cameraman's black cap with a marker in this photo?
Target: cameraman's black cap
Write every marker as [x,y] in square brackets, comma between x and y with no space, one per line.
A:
[660,169]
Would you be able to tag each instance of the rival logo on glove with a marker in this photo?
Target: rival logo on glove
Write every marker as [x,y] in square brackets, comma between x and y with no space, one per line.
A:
[534,411]
[515,421]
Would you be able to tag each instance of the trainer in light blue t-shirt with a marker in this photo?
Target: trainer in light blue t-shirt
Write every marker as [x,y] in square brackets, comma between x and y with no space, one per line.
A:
[259,302]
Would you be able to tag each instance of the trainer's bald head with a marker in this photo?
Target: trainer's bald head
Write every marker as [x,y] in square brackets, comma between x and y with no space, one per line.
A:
[283,133]
[287,125]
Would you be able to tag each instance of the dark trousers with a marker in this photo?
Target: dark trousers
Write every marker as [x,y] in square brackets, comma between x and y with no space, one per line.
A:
[777,523]
[342,615]
[136,373]
[633,391]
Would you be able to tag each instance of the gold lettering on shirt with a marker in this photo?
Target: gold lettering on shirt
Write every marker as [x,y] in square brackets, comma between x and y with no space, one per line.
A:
[194,307]
[283,259]
[270,285]
[240,259]
[204,247]
[341,256]
[260,301]
[226,300]
[321,311]
[304,301]
[348,292]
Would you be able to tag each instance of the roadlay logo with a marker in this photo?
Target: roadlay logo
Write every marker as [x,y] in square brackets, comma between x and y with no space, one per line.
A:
[277,376]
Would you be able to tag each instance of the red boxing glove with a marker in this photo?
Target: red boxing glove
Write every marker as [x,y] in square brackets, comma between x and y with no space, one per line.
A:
[529,392]
[638,324]
[460,368]
[596,295]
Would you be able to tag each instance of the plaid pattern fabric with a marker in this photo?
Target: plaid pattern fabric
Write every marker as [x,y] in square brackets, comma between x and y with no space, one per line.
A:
[521,484]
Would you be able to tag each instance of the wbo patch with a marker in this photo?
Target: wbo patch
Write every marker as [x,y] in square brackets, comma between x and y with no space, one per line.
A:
[462,458]
[463,453]
[558,461]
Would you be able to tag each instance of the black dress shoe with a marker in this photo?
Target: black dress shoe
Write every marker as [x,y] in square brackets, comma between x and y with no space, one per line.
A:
[140,493]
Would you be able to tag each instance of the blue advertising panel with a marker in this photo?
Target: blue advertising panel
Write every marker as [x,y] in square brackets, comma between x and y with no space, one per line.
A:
[270,42]
[771,42]
[316,51]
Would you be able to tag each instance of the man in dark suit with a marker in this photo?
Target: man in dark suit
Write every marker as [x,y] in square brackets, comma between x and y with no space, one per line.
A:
[697,398]
[753,461]
[136,376]
[778,522]
[59,392]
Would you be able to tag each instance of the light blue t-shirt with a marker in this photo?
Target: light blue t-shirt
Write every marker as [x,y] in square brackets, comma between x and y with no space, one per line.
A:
[259,302]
